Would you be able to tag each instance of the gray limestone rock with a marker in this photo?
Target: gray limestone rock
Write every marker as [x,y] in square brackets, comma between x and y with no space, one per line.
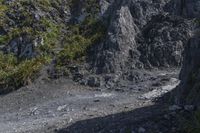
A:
[141,34]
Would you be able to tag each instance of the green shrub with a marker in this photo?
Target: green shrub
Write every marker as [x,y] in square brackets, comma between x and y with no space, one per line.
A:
[72,41]
[15,73]
[91,6]
[51,35]
[75,48]
[3,39]
[81,38]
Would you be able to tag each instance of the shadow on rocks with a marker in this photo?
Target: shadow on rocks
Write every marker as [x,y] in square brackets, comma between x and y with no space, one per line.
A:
[151,119]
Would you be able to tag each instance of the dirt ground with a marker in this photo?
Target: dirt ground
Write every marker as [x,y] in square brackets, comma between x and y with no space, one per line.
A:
[64,106]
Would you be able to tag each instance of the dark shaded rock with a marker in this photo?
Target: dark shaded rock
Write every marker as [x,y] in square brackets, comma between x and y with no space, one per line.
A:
[163,41]
[23,47]
[185,8]
[94,82]
[189,107]
[188,91]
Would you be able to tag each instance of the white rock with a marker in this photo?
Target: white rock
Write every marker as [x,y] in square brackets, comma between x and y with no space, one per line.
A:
[34,111]
[61,107]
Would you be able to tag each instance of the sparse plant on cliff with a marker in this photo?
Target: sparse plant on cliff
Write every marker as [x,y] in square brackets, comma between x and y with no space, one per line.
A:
[80,39]
[15,73]
[69,42]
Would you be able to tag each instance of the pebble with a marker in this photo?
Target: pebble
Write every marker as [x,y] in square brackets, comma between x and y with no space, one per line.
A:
[97,100]
[189,107]
[141,130]
[174,108]
[60,108]
[34,111]
[166,116]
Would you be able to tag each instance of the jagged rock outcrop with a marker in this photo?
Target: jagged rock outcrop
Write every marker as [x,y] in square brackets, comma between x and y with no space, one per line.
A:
[163,41]
[119,40]
[141,34]
[21,47]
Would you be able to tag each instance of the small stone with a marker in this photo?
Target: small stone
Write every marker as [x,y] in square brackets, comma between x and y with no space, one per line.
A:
[174,108]
[60,108]
[141,130]
[126,107]
[166,116]
[34,111]
[70,120]
[174,129]
[97,100]
[84,108]
[94,82]
[173,114]
[189,107]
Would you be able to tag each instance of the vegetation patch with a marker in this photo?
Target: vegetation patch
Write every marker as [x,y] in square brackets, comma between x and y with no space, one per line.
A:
[81,38]
[67,42]
[15,73]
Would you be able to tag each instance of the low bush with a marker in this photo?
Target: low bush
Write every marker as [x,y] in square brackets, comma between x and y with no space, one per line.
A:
[15,73]
[81,38]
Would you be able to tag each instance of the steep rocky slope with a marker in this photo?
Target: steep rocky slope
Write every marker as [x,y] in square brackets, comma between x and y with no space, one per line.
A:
[107,37]
[40,32]
[133,48]
[141,34]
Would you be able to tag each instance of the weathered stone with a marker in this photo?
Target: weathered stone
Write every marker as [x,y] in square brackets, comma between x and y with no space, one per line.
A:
[141,34]
[141,130]
[22,47]
[94,82]
[174,108]
[189,107]
[188,90]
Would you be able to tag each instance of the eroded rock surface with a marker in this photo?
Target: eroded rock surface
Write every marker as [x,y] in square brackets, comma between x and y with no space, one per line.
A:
[141,34]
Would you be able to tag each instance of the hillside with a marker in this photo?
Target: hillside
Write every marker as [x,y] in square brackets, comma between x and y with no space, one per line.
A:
[135,47]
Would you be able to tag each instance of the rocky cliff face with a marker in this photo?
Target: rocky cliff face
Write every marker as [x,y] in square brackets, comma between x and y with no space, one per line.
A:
[141,34]
[188,90]
[117,36]
[148,34]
